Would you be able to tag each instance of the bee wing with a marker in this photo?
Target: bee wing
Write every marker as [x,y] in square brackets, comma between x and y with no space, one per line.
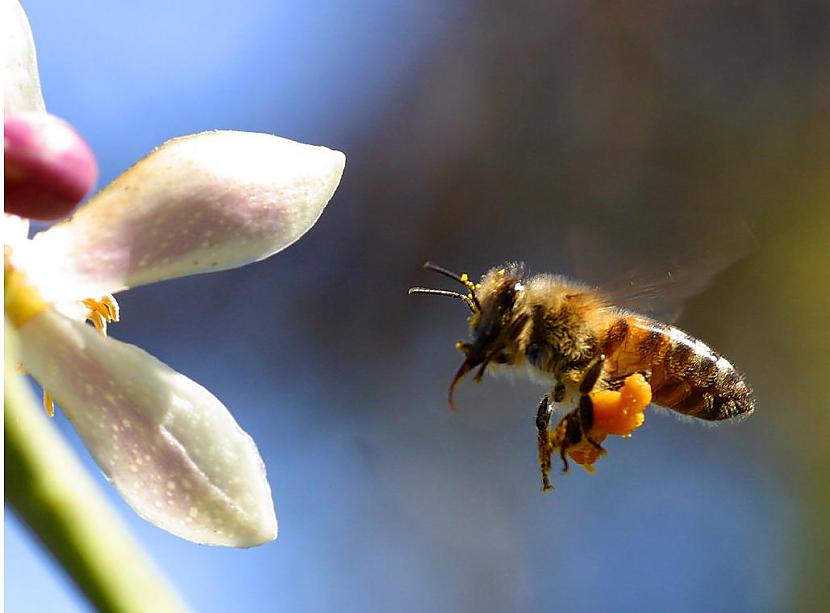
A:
[661,296]
[657,284]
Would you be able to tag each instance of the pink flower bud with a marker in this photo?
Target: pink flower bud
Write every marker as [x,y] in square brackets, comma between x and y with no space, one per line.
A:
[49,167]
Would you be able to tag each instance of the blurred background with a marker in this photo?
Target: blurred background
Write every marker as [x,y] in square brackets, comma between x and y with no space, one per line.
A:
[587,138]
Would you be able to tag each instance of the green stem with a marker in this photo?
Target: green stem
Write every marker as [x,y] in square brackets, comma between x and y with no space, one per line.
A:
[51,491]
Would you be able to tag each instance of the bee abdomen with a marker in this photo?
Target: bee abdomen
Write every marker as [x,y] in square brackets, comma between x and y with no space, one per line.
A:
[685,374]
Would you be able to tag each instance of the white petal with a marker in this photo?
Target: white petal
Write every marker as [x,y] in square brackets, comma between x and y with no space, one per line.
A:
[22,82]
[171,448]
[200,203]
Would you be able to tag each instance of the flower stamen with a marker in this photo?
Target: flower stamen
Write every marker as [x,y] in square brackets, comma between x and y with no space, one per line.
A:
[102,311]
[48,403]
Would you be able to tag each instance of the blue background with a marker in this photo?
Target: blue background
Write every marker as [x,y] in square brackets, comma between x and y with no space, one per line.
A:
[582,138]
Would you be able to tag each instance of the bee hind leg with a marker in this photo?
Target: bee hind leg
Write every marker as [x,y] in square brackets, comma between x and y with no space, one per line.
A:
[574,427]
[564,457]
[617,382]
[568,432]
[592,374]
[586,421]
[586,405]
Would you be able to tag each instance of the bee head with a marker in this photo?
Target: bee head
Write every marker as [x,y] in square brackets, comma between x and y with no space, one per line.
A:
[491,319]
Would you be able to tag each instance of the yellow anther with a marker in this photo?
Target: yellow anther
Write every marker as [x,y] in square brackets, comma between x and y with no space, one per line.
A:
[111,305]
[465,278]
[458,344]
[502,272]
[102,311]
[98,321]
[48,403]
[478,286]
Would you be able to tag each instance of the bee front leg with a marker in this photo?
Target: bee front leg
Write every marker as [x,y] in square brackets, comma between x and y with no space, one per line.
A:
[543,414]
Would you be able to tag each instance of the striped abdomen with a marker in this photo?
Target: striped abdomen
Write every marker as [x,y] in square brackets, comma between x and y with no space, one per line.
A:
[685,374]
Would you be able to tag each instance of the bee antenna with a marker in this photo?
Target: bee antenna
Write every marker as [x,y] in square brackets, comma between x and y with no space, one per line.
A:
[442,292]
[443,271]
[462,279]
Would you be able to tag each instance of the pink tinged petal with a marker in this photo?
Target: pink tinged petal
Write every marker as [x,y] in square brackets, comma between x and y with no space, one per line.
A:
[171,448]
[196,204]
[49,167]
[21,90]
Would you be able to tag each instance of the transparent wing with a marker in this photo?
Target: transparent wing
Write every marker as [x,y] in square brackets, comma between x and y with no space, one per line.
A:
[658,280]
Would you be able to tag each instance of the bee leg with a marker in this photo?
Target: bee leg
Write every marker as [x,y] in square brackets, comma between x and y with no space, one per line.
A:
[592,374]
[617,382]
[585,410]
[545,449]
[573,428]
[559,392]
[564,457]
[568,432]
[595,444]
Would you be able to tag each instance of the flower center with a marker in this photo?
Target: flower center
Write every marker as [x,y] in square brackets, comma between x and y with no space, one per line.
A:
[22,302]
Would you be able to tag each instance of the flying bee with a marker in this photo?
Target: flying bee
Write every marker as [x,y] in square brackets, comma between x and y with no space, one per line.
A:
[567,336]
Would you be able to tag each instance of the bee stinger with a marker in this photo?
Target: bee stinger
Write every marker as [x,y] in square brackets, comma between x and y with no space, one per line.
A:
[614,361]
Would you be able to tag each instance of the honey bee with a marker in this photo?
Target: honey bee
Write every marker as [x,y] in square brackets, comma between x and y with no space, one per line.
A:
[568,336]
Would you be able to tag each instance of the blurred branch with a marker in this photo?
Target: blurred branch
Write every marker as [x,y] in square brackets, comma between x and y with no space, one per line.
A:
[51,492]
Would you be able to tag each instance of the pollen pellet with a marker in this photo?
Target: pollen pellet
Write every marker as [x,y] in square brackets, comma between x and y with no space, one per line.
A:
[621,412]
[615,412]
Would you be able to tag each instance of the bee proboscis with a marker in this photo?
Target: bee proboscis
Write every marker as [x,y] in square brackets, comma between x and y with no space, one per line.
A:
[569,337]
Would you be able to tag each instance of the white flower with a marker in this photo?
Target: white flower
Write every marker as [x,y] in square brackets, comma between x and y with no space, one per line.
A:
[200,203]
[196,204]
